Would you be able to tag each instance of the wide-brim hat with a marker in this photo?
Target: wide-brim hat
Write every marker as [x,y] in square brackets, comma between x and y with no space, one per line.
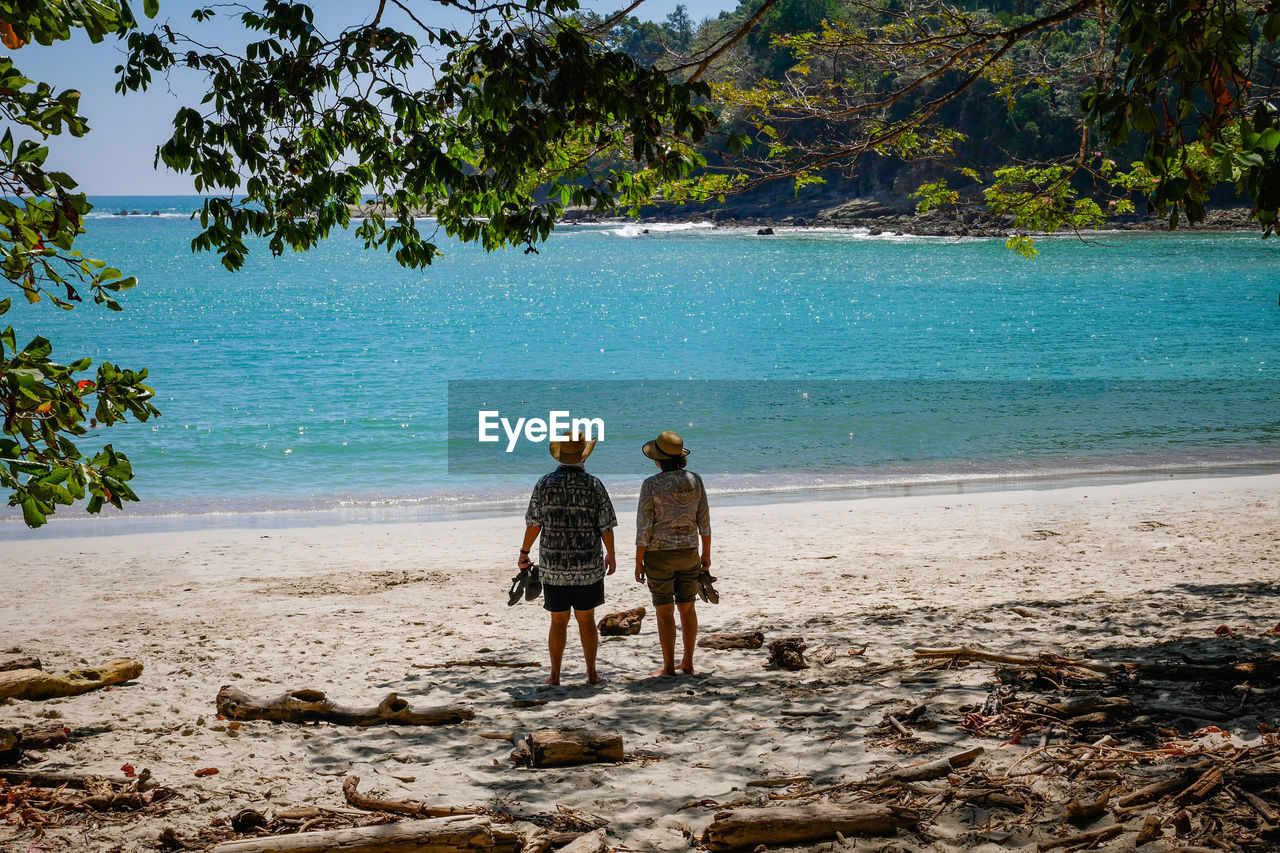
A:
[573,451]
[667,445]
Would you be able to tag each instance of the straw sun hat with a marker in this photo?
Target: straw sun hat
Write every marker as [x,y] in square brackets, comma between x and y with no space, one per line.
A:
[667,445]
[573,451]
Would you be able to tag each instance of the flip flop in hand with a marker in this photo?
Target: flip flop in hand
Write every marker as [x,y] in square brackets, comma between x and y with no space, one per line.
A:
[518,587]
[533,588]
[706,590]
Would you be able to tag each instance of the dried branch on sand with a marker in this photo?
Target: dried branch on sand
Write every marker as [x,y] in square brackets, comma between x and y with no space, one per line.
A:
[305,706]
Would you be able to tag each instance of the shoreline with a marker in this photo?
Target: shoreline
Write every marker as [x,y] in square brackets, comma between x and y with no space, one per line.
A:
[424,511]
[880,215]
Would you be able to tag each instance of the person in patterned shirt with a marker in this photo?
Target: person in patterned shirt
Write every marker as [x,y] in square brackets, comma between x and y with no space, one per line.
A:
[671,517]
[570,510]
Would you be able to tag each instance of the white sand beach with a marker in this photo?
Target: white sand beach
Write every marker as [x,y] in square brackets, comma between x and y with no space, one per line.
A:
[1097,570]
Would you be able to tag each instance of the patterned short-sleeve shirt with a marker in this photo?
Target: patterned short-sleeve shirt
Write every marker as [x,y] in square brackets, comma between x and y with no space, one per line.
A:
[672,512]
[573,509]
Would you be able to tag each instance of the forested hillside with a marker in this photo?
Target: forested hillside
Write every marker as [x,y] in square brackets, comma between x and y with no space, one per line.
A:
[1027,111]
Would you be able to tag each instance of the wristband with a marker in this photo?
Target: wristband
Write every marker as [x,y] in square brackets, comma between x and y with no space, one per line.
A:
[522,551]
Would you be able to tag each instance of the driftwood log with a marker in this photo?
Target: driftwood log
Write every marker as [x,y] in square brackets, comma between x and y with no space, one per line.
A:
[1084,839]
[55,779]
[566,747]
[794,825]
[622,624]
[1228,670]
[591,842]
[14,743]
[935,769]
[738,640]
[479,663]
[10,747]
[541,840]
[362,801]
[20,663]
[43,736]
[305,706]
[788,653]
[36,684]
[438,835]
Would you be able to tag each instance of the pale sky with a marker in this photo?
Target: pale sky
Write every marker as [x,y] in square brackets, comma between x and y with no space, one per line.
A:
[116,157]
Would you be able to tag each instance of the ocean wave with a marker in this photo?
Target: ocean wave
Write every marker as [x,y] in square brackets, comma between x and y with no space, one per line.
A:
[639,229]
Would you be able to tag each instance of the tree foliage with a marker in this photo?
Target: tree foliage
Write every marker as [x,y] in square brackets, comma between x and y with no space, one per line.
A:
[44,407]
[523,114]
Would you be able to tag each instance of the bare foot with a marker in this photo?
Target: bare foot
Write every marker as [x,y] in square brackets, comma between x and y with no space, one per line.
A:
[552,681]
[686,668]
[593,678]
[658,673]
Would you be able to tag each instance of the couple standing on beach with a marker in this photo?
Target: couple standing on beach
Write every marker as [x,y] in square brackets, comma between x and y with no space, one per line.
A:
[571,511]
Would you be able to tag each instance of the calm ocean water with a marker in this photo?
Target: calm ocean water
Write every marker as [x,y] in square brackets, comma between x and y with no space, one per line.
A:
[319,381]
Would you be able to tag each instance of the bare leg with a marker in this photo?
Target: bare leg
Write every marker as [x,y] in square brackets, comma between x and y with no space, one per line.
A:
[688,634]
[667,638]
[556,639]
[590,641]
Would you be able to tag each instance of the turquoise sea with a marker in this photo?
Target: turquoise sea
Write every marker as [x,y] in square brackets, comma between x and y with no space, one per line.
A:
[315,386]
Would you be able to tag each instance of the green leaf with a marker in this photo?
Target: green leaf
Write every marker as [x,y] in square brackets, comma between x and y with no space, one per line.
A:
[39,348]
[31,513]
[151,8]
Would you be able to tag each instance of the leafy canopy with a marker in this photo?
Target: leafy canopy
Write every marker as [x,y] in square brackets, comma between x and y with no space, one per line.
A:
[521,115]
[44,407]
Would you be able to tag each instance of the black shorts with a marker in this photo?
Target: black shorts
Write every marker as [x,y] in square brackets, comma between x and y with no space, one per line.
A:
[558,599]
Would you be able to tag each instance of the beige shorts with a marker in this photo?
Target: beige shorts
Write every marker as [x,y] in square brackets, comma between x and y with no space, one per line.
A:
[672,575]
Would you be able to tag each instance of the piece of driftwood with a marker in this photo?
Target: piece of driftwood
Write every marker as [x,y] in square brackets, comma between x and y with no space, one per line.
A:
[1153,791]
[1201,788]
[622,624]
[1079,706]
[541,840]
[822,654]
[935,769]
[477,662]
[305,706]
[36,684]
[44,736]
[1219,669]
[590,842]
[792,825]
[10,747]
[54,779]
[788,653]
[1152,828]
[463,834]
[116,801]
[735,640]
[361,801]
[1269,814]
[566,747]
[538,841]
[780,782]
[1084,812]
[20,663]
[1093,836]
[897,726]
[969,653]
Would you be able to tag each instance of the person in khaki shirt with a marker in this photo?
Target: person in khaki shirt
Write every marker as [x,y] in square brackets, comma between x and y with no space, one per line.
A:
[672,516]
